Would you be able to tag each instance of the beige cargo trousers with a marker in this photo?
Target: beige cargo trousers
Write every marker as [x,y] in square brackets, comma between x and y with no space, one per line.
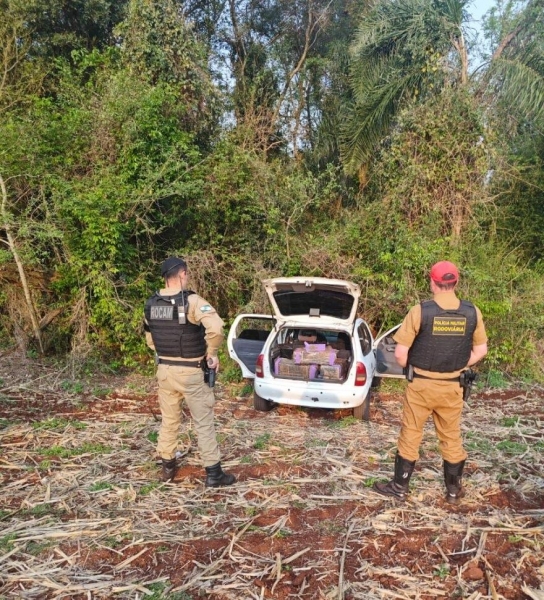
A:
[444,401]
[186,383]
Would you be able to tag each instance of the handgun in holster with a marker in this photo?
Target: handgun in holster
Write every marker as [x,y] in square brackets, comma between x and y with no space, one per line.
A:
[209,373]
[467,379]
[409,373]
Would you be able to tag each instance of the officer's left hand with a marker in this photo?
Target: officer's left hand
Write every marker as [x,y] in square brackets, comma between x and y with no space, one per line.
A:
[213,363]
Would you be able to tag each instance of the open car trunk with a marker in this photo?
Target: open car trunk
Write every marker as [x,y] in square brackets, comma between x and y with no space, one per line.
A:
[328,358]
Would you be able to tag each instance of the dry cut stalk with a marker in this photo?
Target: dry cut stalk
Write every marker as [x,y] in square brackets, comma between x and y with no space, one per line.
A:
[227,542]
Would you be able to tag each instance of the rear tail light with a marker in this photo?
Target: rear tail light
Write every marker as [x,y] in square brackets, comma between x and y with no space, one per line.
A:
[259,366]
[360,374]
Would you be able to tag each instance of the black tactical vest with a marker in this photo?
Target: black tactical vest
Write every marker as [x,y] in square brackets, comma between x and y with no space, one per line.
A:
[174,336]
[444,341]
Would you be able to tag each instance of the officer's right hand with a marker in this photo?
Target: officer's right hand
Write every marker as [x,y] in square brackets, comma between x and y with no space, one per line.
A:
[213,362]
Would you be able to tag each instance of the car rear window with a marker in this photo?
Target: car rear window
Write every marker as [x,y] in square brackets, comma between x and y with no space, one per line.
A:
[318,303]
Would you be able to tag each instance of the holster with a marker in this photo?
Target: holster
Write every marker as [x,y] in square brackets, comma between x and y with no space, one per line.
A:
[466,380]
[209,374]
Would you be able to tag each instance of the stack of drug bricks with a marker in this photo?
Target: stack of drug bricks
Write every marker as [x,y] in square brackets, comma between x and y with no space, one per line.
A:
[313,361]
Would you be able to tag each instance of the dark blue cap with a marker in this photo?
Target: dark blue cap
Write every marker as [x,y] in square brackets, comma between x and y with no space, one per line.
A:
[171,263]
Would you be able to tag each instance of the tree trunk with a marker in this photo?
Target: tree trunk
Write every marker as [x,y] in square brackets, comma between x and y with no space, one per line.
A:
[460,46]
[18,262]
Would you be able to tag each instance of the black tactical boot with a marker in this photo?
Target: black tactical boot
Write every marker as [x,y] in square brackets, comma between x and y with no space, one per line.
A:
[216,477]
[168,469]
[398,486]
[453,475]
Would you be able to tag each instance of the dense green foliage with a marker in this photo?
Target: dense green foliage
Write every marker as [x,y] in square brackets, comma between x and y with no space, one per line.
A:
[404,50]
[131,130]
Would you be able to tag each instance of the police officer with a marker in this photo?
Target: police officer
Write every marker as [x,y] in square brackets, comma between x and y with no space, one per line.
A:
[437,340]
[184,330]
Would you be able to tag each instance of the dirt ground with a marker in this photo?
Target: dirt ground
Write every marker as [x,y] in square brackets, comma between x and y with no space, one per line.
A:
[82,514]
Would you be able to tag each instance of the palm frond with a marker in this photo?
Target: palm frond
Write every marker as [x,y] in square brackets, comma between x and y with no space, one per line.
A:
[369,121]
[392,54]
[520,85]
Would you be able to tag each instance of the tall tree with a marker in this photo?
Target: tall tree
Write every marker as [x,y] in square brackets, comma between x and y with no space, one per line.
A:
[61,26]
[19,77]
[404,51]
[99,175]
[514,78]
[407,50]
[515,94]
[274,53]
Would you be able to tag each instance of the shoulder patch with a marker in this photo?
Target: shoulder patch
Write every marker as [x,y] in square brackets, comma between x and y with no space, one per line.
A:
[206,308]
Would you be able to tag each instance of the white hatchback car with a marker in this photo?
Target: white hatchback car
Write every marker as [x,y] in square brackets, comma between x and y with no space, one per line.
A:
[313,351]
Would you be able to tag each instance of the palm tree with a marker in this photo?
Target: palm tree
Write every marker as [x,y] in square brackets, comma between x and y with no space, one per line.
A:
[408,50]
[404,50]
[514,78]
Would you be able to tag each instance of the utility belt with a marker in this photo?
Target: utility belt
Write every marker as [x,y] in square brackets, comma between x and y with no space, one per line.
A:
[436,378]
[411,375]
[209,373]
[179,363]
[466,380]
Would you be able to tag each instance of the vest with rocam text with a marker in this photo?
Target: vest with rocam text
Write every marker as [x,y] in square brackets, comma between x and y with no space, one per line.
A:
[172,336]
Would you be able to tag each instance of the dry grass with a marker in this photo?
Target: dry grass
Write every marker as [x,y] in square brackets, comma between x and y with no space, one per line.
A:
[83,515]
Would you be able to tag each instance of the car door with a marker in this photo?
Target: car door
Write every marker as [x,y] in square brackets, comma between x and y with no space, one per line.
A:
[246,340]
[367,355]
[384,349]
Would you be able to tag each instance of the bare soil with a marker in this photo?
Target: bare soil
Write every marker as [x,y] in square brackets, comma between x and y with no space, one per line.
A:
[83,515]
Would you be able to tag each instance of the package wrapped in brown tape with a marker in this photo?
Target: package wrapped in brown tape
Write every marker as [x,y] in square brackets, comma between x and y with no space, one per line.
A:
[307,357]
[332,371]
[288,368]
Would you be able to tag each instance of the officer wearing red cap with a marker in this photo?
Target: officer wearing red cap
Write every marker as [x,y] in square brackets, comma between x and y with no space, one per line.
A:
[437,340]
[185,332]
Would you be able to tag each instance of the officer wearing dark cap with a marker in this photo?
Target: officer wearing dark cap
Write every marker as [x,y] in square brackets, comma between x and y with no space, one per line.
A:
[438,339]
[185,331]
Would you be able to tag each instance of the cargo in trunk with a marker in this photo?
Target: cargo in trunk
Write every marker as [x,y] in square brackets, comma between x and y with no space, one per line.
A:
[288,368]
[328,361]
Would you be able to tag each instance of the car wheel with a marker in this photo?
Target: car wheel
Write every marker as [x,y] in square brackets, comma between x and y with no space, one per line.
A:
[261,404]
[362,412]
[376,382]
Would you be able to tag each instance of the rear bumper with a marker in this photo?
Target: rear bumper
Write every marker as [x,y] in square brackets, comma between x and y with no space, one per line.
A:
[311,394]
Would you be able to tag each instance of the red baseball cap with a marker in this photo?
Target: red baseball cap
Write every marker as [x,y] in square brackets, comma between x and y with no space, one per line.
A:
[444,272]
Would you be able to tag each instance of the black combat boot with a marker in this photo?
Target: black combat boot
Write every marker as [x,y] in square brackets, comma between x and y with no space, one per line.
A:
[168,469]
[453,475]
[398,486]
[216,477]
